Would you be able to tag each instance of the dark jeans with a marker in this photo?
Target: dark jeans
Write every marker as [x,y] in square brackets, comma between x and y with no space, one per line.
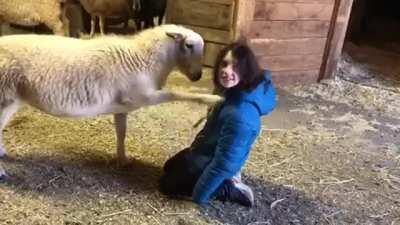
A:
[180,177]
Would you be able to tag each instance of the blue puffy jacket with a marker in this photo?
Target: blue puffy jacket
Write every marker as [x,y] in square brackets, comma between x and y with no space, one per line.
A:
[222,147]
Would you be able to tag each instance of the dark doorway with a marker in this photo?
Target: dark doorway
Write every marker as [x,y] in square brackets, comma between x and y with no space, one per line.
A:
[376,23]
[372,45]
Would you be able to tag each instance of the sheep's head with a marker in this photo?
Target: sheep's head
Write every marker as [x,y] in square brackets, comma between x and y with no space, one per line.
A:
[189,53]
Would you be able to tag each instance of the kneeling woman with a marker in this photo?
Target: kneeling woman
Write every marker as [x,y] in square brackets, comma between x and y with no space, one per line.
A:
[210,167]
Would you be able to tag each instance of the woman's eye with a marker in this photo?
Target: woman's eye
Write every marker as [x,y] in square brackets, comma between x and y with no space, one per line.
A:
[189,46]
[224,64]
[234,66]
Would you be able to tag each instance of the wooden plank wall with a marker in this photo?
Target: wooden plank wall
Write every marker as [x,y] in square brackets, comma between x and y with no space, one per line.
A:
[289,37]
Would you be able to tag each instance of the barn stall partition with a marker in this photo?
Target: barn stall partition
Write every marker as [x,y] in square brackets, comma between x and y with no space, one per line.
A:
[296,39]
[218,21]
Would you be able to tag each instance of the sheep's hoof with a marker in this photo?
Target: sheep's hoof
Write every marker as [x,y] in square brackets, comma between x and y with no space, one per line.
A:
[123,162]
[3,174]
[2,152]
[211,99]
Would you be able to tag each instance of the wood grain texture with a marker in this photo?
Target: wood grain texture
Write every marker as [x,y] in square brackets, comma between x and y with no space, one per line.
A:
[287,78]
[276,47]
[212,35]
[288,29]
[244,14]
[291,62]
[224,2]
[336,38]
[301,1]
[202,13]
[292,11]
[210,53]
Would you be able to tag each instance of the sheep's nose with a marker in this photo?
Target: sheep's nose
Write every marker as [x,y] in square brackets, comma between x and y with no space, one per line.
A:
[197,75]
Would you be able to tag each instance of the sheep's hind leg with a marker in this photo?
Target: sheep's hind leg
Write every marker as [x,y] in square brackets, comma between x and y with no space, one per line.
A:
[6,112]
[120,121]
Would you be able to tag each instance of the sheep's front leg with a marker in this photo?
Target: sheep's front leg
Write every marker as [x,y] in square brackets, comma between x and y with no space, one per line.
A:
[162,96]
[3,173]
[102,24]
[92,25]
[120,121]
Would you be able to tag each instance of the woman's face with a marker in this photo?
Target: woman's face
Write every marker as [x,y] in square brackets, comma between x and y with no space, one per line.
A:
[227,76]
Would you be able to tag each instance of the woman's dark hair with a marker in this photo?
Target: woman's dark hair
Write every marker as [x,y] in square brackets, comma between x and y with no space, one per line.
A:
[246,65]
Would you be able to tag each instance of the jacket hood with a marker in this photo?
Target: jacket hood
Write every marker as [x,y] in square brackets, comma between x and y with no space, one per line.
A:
[263,97]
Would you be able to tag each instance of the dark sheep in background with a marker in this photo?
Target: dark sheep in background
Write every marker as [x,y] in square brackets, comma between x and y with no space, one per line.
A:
[149,9]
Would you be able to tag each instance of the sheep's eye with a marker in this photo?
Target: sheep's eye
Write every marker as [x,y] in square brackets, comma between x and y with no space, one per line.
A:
[189,46]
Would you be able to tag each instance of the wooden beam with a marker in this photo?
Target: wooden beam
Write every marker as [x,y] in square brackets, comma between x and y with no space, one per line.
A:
[291,62]
[288,29]
[275,47]
[336,36]
[211,51]
[224,2]
[285,78]
[212,35]
[201,13]
[301,1]
[292,11]
[243,17]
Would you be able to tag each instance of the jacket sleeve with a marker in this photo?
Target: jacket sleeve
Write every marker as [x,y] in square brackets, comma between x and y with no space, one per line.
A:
[231,153]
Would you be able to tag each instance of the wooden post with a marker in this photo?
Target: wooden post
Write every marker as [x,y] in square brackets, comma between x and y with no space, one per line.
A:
[336,37]
[244,14]
[168,12]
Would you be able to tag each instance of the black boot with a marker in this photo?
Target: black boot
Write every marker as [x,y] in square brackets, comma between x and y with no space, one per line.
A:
[236,191]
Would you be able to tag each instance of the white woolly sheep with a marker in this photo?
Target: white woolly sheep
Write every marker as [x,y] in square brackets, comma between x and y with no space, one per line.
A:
[34,12]
[69,77]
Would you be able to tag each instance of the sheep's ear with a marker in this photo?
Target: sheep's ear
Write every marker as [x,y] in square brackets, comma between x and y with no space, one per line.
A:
[178,37]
